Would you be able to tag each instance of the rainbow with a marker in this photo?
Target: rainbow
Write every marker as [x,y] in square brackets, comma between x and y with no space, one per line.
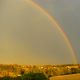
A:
[52,19]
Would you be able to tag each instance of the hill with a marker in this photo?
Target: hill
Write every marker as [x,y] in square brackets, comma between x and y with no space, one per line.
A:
[67,77]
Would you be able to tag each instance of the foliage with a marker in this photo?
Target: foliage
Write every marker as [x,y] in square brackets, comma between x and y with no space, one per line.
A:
[6,78]
[34,76]
[74,70]
[48,70]
[28,76]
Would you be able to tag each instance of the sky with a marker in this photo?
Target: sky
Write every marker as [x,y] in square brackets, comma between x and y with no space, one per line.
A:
[67,14]
[27,36]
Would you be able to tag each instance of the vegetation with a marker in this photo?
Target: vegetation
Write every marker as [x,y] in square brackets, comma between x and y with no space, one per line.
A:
[34,76]
[24,71]
[28,76]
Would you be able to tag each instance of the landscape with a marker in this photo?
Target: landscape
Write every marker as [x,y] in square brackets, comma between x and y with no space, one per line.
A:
[40,72]
[39,39]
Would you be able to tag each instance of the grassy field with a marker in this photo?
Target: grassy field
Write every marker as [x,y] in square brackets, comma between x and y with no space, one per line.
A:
[67,77]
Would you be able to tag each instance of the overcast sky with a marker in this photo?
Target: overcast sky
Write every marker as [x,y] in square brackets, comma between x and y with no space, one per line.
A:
[67,13]
[28,37]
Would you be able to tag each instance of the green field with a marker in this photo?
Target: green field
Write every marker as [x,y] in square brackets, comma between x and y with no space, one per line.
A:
[67,77]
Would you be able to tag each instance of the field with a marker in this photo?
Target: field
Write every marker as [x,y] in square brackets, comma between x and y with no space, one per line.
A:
[67,77]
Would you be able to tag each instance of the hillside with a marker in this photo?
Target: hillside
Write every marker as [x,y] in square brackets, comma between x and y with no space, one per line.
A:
[67,77]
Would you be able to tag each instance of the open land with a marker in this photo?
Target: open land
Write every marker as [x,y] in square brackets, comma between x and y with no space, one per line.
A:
[67,77]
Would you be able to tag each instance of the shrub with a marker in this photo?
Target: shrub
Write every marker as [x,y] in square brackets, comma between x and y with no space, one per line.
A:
[73,70]
[6,78]
[34,76]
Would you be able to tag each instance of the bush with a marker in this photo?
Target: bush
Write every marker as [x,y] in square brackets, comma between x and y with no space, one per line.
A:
[17,78]
[6,78]
[74,70]
[28,76]
[34,76]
